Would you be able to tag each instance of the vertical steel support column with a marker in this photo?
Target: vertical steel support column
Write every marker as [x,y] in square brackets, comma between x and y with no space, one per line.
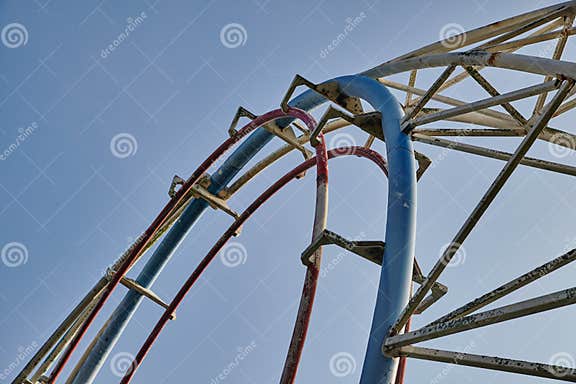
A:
[396,272]
[400,231]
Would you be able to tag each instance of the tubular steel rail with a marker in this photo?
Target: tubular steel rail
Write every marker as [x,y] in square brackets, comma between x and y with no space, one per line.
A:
[427,116]
[312,270]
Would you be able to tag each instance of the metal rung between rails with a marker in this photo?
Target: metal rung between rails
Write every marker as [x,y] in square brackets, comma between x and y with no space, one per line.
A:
[146,292]
[200,191]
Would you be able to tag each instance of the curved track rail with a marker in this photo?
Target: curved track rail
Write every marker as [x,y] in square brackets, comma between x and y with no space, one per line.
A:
[312,270]
[161,219]
[460,59]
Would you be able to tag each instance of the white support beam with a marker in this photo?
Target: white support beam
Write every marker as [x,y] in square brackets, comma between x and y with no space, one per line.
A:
[482,319]
[486,103]
[494,154]
[509,287]
[548,371]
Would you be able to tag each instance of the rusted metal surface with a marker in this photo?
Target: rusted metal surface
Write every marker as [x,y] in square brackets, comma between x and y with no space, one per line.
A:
[495,154]
[489,31]
[241,112]
[558,50]
[548,371]
[369,250]
[489,47]
[495,94]
[403,360]
[330,90]
[312,269]
[411,83]
[509,287]
[442,98]
[523,63]
[513,311]
[563,11]
[287,134]
[471,132]
[407,122]
[215,202]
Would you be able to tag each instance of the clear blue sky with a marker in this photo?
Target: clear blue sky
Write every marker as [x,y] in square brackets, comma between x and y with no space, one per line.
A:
[172,86]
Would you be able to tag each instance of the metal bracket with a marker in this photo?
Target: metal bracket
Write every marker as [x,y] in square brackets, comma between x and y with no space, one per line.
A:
[133,285]
[287,134]
[200,191]
[369,250]
[241,112]
[330,90]
[423,163]
[438,290]
[215,202]
[370,122]
[176,181]
[372,251]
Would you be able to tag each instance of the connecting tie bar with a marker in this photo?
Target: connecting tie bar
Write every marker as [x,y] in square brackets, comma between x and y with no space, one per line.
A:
[146,292]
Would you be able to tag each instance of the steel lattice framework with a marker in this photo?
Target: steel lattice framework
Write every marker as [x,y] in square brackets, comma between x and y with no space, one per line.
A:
[460,57]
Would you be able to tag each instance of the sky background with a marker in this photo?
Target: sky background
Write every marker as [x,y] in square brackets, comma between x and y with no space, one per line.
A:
[73,202]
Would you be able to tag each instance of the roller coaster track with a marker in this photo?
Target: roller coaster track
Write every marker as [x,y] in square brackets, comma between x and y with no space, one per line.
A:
[461,58]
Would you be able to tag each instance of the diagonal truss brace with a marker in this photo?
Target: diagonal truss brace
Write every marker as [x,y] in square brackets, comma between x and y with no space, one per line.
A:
[494,154]
[488,362]
[509,312]
[500,99]
[241,112]
[406,121]
[509,287]
[200,191]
